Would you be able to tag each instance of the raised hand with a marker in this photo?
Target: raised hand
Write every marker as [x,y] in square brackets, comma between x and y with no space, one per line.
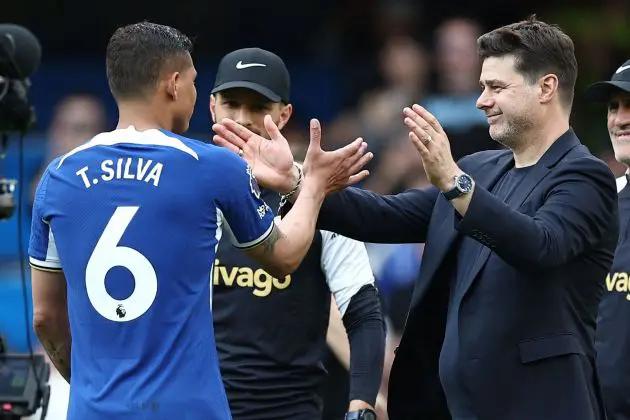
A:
[337,169]
[428,137]
[271,159]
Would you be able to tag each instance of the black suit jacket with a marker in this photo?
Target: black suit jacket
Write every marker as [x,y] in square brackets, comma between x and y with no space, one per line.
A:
[528,312]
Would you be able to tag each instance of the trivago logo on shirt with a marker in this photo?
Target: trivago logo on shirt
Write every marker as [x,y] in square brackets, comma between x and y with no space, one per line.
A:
[259,280]
[618,282]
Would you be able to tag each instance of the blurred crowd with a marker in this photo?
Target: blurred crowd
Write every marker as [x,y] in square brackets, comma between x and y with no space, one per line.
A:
[440,72]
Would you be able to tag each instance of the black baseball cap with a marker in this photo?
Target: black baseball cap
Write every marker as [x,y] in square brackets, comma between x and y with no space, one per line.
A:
[601,91]
[256,69]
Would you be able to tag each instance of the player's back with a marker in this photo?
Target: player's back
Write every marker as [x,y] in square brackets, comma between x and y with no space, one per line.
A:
[136,223]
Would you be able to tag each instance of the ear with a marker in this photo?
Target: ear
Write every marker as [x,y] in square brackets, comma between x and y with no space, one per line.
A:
[548,85]
[285,115]
[172,85]
[213,103]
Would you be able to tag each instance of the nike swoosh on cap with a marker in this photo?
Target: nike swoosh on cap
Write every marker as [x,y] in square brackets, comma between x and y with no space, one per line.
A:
[622,68]
[241,66]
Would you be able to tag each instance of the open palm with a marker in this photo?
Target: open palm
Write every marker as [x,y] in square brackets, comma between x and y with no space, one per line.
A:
[271,159]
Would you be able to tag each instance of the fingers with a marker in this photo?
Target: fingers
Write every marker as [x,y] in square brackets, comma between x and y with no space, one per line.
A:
[225,130]
[418,125]
[419,144]
[356,163]
[425,137]
[220,141]
[358,177]
[428,117]
[315,133]
[271,127]
[351,149]
[238,129]
[360,160]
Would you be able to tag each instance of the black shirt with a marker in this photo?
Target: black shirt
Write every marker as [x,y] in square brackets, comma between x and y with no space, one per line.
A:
[271,333]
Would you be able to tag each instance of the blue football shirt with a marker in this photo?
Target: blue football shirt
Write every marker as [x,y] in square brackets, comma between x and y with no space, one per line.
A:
[133,219]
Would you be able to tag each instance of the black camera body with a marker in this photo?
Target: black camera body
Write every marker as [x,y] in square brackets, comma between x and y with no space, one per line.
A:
[24,378]
[20,54]
[20,391]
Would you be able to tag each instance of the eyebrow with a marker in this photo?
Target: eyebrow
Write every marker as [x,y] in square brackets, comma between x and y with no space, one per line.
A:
[491,82]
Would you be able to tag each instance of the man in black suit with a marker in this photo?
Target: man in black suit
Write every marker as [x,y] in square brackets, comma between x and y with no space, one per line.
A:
[518,243]
[613,331]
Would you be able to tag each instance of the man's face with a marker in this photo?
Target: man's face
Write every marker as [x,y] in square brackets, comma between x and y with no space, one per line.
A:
[619,125]
[508,100]
[186,98]
[248,108]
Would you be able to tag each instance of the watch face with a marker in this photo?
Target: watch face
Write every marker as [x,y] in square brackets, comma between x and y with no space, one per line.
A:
[368,415]
[464,183]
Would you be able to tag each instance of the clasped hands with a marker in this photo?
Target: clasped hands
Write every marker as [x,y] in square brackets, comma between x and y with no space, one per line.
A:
[329,171]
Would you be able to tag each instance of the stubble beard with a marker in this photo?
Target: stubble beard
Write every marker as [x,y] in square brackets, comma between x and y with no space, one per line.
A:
[512,133]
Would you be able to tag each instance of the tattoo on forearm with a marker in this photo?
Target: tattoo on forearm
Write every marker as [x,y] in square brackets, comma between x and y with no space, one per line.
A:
[59,354]
[270,243]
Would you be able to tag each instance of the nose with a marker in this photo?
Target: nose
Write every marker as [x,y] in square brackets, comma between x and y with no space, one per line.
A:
[243,116]
[484,101]
[622,118]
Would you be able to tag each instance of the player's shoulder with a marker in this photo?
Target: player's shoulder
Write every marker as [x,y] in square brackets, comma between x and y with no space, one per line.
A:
[208,151]
[42,184]
[154,138]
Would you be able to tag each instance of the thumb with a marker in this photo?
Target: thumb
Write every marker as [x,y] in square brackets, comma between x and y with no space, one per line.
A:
[316,133]
[272,128]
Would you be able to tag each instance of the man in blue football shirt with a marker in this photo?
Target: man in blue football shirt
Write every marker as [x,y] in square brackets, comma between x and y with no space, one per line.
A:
[124,232]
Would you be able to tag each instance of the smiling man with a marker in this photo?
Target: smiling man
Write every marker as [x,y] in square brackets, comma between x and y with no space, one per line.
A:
[613,333]
[518,243]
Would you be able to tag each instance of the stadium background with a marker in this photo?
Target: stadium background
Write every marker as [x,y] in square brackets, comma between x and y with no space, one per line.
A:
[354,65]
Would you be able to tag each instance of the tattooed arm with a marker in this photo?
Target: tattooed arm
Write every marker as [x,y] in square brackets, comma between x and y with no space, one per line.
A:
[284,249]
[50,317]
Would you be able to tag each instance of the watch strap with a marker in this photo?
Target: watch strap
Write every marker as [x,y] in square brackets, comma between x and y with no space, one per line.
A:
[361,414]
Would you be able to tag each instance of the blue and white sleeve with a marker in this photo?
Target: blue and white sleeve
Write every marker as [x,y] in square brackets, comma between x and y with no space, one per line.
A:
[42,250]
[248,216]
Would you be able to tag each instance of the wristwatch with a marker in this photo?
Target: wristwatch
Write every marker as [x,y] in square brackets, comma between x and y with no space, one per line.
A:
[463,185]
[363,414]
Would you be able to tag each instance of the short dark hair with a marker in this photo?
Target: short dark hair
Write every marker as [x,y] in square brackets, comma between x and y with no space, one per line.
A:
[137,54]
[539,48]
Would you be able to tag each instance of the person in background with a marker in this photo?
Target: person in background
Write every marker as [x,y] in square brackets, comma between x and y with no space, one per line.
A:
[271,331]
[613,324]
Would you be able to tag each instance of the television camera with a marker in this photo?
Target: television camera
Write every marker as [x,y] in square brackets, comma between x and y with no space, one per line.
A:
[23,377]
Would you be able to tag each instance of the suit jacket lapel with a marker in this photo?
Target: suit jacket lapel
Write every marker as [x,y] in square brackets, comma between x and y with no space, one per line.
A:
[442,236]
[551,157]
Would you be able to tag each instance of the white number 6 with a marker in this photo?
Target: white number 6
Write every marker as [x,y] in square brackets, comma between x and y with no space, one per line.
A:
[107,255]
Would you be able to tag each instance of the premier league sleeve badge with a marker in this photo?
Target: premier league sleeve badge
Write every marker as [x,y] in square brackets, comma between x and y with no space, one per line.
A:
[253,184]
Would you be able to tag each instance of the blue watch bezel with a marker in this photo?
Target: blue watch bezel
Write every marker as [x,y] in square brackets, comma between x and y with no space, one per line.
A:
[463,185]
[359,414]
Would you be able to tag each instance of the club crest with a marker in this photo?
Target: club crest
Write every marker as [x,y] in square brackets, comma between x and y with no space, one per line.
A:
[253,184]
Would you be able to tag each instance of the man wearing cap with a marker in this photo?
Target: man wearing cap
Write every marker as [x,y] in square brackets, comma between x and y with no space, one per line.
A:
[270,332]
[613,323]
